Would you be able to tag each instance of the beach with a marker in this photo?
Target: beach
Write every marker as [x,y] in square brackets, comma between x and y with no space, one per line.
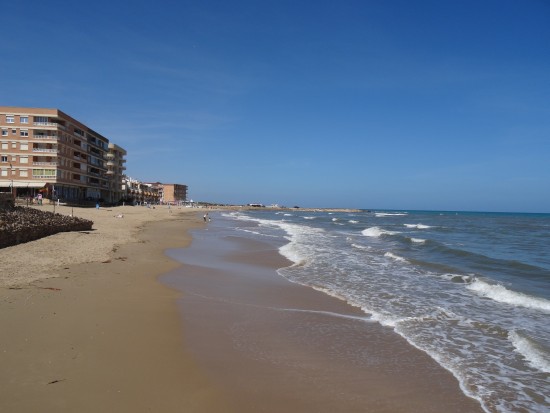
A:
[87,326]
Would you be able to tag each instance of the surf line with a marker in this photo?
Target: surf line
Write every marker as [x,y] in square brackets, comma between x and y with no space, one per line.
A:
[365,319]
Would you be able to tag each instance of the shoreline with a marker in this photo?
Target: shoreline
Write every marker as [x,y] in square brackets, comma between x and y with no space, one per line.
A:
[296,348]
[107,333]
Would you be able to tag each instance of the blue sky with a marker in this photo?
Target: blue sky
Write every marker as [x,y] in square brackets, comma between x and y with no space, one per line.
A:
[368,104]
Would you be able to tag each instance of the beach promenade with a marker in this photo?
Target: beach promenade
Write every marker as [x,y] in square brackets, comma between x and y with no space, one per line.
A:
[87,327]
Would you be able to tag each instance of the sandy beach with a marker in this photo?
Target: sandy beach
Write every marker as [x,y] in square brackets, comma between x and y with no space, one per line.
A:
[87,326]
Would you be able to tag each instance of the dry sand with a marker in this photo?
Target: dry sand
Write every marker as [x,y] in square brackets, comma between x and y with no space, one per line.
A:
[103,335]
[44,258]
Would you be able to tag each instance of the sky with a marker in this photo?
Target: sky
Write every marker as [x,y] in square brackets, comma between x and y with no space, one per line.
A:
[397,104]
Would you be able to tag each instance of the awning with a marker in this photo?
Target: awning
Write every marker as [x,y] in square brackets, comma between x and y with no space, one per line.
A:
[20,184]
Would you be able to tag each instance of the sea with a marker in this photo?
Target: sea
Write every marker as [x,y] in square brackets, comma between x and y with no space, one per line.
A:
[472,290]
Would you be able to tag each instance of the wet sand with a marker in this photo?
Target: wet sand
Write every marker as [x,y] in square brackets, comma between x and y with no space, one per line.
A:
[280,347]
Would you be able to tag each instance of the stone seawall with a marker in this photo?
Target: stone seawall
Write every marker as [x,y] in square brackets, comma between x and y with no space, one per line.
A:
[21,224]
[6,201]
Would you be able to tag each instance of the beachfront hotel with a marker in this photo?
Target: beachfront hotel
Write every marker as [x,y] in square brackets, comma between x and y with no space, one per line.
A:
[45,151]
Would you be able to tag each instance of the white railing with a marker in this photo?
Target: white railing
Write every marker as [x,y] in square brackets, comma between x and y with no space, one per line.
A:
[49,124]
[52,177]
[45,163]
[44,150]
[44,136]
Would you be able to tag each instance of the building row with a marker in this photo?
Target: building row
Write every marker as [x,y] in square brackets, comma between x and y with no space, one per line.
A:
[47,153]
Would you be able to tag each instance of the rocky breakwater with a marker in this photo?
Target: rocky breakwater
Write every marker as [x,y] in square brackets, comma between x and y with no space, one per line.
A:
[20,224]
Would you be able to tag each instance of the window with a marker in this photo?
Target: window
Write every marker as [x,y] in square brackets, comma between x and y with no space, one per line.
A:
[4,132]
[4,158]
[23,159]
[24,119]
[4,145]
[44,172]
[24,146]
[10,119]
[24,132]
[23,173]
[4,172]
[14,145]
[40,119]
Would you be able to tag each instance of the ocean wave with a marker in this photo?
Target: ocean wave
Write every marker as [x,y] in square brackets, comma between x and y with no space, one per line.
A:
[418,226]
[290,253]
[459,278]
[501,294]
[418,240]
[394,257]
[255,232]
[334,219]
[390,214]
[351,221]
[532,351]
[361,247]
[310,217]
[377,232]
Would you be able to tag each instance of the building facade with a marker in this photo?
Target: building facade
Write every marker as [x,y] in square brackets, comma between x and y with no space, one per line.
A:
[174,193]
[115,171]
[47,151]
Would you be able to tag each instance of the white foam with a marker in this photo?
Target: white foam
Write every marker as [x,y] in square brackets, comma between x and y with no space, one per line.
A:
[334,219]
[535,356]
[394,257]
[501,294]
[388,214]
[310,217]
[376,232]
[418,240]
[360,247]
[255,232]
[287,215]
[418,226]
[351,221]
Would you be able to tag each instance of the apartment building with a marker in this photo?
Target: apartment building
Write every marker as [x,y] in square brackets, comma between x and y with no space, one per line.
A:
[174,193]
[115,172]
[47,151]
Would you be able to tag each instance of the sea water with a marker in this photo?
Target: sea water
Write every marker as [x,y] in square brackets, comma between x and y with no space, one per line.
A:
[472,290]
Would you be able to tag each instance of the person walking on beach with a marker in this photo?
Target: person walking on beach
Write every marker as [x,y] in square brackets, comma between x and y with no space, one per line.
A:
[205,216]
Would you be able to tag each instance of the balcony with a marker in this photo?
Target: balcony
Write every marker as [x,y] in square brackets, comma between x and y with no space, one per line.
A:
[110,173]
[110,156]
[44,137]
[44,163]
[48,150]
[49,124]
